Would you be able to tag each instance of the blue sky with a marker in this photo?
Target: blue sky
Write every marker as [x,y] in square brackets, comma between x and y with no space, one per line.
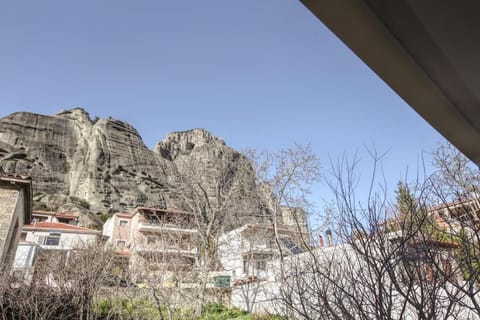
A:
[263,74]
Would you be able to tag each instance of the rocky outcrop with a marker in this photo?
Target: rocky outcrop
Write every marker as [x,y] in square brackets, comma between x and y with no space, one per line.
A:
[203,159]
[178,144]
[102,165]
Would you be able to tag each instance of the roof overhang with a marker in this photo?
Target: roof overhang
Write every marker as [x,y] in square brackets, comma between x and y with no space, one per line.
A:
[426,51]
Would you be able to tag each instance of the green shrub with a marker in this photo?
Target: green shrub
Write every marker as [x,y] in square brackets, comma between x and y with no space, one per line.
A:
[104,217]
[43,206]
[80,202]
[123,308]
[216,311]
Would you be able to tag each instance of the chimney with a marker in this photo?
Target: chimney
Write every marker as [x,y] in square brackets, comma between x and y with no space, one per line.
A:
[328,232]
[320,241]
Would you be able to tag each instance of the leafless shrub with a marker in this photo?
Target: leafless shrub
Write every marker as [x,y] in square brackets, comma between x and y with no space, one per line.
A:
[397,260]
[63,285]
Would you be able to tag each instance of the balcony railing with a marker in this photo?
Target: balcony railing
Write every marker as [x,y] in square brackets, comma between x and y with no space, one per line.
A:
[152,226]
[154,248]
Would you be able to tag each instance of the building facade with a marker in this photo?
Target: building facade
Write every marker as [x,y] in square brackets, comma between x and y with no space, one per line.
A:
[248,253]
[160,243]
[45,237]
[15,211]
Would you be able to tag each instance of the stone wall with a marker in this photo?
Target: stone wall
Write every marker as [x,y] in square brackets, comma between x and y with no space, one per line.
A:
[8,203]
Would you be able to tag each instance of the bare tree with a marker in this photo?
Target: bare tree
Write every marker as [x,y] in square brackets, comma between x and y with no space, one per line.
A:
[165,265]
[265,188]
[65,285]
[393,263]
[248,254]
[455,187]
[285,178]
[218,198]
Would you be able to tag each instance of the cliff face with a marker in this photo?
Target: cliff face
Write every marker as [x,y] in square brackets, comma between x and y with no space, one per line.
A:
[207,164]
[103,165]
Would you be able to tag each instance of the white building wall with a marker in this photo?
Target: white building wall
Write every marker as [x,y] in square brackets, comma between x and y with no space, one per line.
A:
[67,241]
[234,248]
[25,255]
[230,253]
[258,297]
[108,228]
[77,240]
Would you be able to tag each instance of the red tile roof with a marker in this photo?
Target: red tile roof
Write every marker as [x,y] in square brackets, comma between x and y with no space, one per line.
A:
[59,226]
[454,204]
[55,214]
[65,216]
[124,214]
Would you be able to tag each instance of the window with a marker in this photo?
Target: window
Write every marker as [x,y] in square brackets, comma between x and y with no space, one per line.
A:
[40,239]
[292,246]
[255,263]
[53,239]
[123,223]
[151,239]
[261,265]
[121,243]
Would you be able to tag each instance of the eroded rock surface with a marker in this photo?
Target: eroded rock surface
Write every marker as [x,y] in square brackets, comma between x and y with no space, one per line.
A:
[102,165]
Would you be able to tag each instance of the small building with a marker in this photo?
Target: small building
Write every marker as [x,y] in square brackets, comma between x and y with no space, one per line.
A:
[157,241]
[59,236]
[457,216]
[248,252]
[46,239]
[15,211]
[52,216]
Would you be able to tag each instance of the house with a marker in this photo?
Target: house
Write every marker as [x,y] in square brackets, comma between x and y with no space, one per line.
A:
[248,252]
[157,241]
[46,237]
[457,215]
[59,236]
[51,216]
[15,211]
[430,240]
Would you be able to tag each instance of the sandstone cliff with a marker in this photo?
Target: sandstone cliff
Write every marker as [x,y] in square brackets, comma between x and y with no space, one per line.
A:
[102,165]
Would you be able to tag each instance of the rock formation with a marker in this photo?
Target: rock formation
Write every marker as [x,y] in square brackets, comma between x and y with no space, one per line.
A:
[102,165]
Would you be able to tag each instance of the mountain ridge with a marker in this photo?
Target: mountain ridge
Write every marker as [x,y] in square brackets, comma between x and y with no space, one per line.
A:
[101,166]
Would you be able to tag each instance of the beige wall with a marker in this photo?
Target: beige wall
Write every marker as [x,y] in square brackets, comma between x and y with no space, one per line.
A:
[295,218]
[11,221]
[121,232]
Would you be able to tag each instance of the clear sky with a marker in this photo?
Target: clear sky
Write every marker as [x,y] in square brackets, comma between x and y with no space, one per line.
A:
[262,74]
